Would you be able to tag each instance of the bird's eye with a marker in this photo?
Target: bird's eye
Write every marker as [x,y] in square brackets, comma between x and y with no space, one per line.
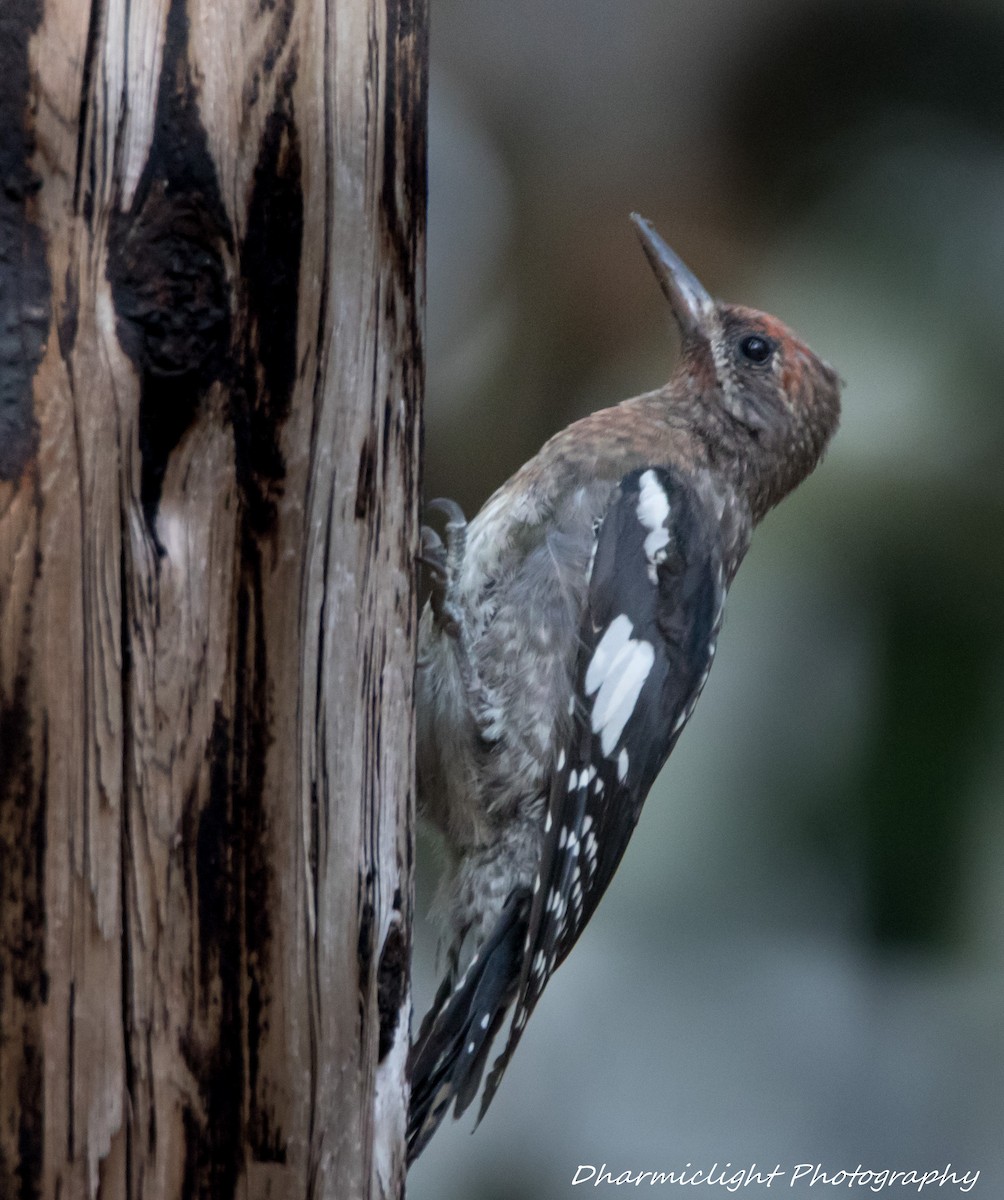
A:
[756,348]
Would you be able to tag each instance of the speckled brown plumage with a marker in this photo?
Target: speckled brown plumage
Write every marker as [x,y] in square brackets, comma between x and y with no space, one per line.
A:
[572,628]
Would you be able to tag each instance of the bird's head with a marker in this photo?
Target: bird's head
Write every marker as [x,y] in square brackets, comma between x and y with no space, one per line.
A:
[765,402]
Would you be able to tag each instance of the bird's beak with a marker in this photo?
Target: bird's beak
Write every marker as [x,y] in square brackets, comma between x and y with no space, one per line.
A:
[691,304]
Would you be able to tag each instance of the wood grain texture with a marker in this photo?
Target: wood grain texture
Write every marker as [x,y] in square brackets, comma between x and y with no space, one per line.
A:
[211,287]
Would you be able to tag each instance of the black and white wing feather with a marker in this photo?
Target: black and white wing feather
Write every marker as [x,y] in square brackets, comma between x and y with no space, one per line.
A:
[654,610]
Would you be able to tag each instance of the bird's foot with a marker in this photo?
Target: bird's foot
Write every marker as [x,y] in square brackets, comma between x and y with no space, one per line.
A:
[444,563]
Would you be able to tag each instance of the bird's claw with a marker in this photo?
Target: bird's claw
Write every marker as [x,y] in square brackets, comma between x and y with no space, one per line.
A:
[432,554]
[443,563]
[450,509]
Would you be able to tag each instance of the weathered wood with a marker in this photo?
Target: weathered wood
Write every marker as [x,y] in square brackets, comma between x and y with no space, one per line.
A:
[211,266]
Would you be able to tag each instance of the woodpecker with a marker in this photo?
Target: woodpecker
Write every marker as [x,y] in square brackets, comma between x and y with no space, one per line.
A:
[570,629]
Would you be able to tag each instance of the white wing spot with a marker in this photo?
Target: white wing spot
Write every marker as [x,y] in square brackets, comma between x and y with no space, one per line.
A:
[484,1020]
[573,781]
[653,512]
[615,637]
[622,765]
[653,503]
[592,553]
[547,822]
[619,677]
[587,823]
[470,1047]
[561,760]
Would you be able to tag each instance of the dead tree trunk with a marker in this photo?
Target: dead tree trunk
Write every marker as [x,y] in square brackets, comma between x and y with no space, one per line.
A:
[211,257]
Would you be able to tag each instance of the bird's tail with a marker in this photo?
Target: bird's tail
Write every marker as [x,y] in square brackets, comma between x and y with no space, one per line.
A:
[448,1057]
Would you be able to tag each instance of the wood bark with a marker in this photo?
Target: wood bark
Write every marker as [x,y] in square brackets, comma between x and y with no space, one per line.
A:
[211,285]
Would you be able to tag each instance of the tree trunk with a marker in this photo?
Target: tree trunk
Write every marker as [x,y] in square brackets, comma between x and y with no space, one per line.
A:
[211,257]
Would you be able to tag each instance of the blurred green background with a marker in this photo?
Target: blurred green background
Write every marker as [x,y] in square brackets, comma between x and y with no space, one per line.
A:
[800,959]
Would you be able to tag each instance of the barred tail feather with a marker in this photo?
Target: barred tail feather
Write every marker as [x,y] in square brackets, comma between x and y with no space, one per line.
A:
[448,1058]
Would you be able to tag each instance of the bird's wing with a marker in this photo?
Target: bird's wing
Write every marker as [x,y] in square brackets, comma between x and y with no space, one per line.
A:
[647,640]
